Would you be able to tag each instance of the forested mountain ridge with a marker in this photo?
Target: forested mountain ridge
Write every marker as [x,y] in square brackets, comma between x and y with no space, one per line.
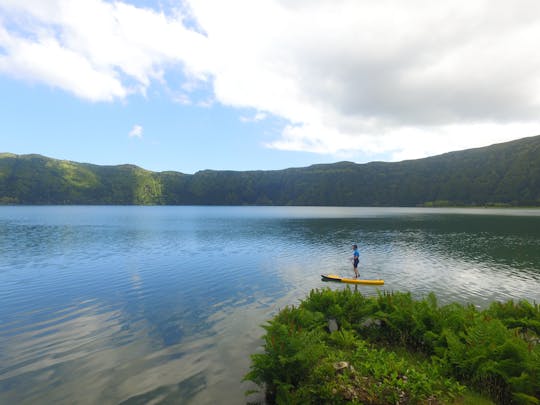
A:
[506,174]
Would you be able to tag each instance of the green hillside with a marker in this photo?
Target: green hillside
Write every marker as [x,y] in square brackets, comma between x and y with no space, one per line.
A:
[502,174]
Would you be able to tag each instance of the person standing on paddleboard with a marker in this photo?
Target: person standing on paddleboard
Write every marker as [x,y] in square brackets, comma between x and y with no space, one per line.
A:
[356,259]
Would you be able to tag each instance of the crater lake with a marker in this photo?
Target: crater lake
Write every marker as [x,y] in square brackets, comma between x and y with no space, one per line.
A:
[136,304]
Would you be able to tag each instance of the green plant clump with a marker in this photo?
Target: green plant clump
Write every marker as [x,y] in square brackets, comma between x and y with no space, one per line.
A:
[395,349]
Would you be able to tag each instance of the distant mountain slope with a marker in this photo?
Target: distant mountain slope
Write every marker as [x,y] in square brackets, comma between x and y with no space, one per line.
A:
[507,174]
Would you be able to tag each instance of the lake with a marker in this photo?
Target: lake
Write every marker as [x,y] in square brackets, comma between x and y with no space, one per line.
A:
[132,305]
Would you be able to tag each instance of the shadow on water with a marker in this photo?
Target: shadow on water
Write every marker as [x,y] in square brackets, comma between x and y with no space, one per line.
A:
[170,394]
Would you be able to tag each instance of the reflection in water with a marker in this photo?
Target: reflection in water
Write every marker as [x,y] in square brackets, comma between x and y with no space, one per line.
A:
[164,304]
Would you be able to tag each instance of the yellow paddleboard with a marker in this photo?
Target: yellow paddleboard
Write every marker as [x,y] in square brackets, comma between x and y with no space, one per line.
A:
[333,277]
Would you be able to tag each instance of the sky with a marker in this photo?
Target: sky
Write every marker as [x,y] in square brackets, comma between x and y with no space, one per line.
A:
[189,85]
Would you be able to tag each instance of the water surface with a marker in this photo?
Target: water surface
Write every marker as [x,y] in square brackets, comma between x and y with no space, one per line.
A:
[164,304]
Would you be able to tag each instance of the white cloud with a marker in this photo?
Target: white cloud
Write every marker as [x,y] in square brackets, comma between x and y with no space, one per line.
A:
[408,79]
[46,60]
[259,116]
[97,50]
[136,132]
[182,98]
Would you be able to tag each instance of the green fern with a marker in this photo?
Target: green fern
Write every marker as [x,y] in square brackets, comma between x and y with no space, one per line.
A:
[495,351]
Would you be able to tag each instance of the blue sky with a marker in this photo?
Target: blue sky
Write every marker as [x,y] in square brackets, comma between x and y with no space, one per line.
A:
[242,85]
[48,121]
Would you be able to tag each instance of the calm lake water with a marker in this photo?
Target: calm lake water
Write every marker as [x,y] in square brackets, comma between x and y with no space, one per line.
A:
[107,305]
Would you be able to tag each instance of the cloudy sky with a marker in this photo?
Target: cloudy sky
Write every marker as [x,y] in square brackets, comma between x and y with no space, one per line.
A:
[267,84]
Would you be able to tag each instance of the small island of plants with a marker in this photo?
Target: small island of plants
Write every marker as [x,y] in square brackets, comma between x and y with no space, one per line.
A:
[343,347]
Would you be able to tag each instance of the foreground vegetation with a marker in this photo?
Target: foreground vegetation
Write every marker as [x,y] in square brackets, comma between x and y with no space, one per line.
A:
[506,174]
[394,349]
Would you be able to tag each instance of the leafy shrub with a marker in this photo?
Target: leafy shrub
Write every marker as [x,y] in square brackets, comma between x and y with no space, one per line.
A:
[494,351]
